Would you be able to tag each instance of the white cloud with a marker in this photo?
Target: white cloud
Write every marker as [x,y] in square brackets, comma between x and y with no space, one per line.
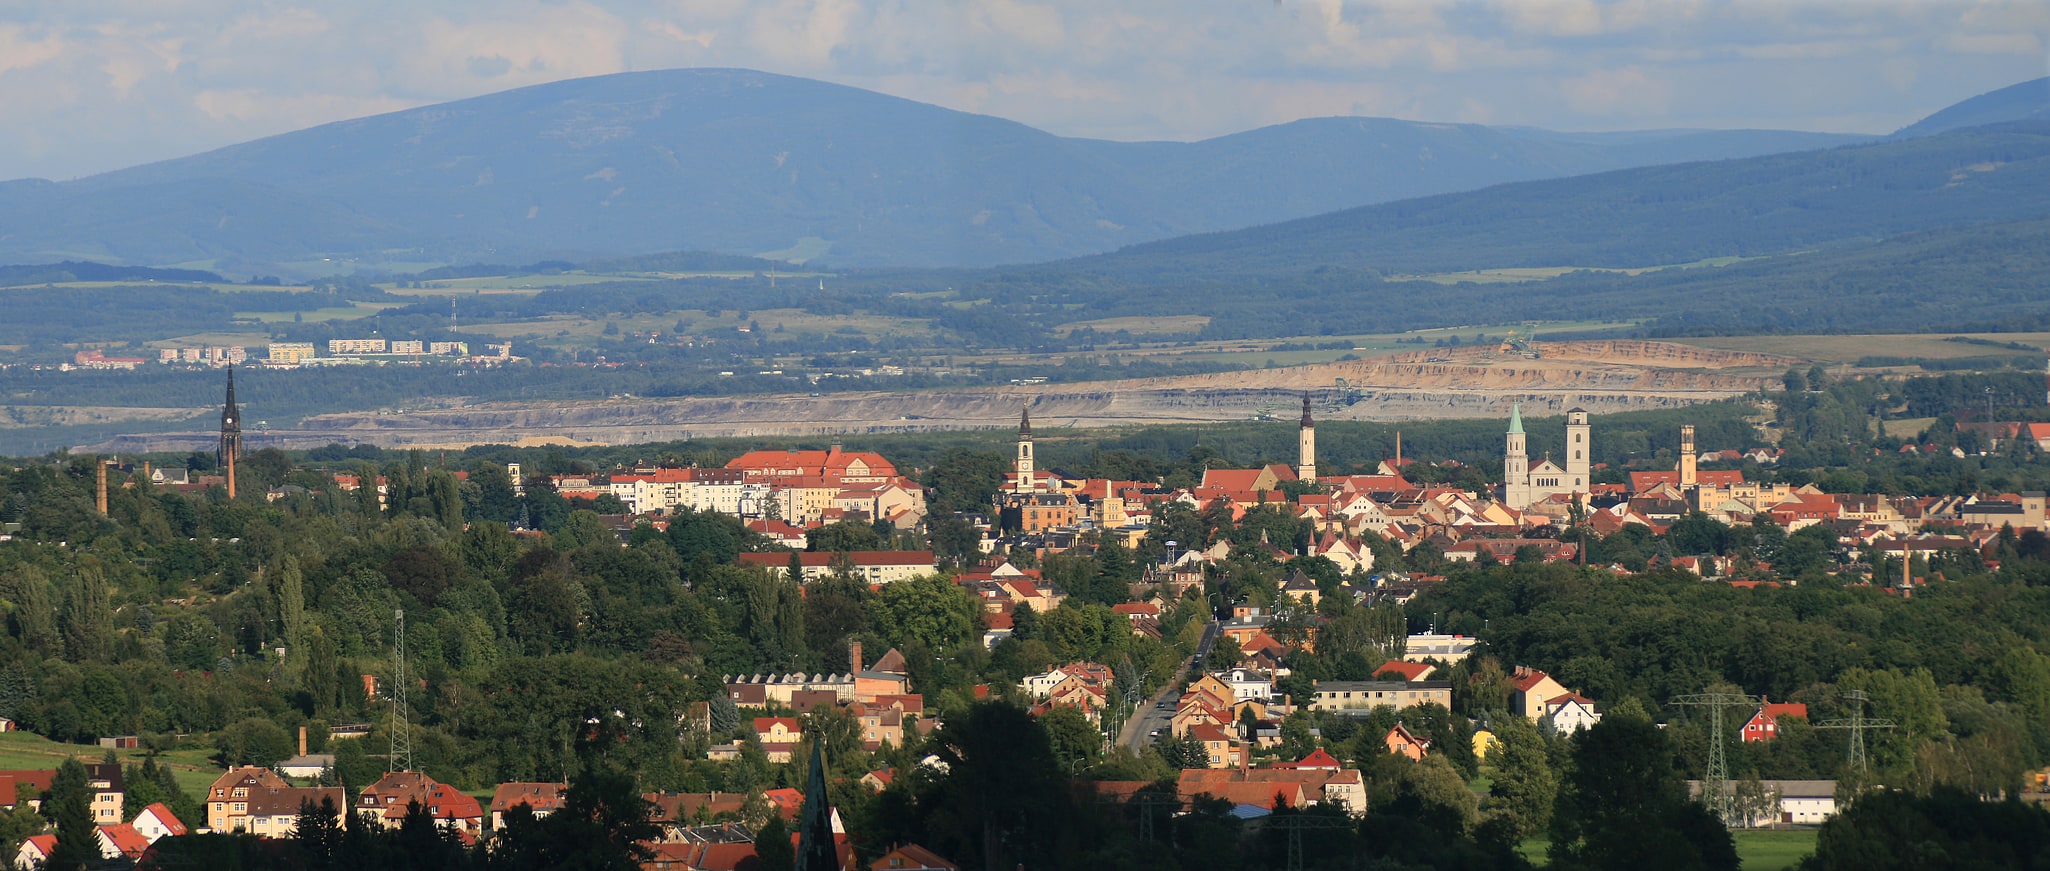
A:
[96,84]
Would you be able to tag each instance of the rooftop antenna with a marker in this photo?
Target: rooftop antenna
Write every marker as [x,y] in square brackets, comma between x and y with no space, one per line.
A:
[1856,724]
[1715,781]
[401,725]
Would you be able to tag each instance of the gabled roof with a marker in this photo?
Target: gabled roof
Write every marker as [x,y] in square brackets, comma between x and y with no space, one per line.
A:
[912,857]
[541,797]
[169,820]
[1410,671]
[125,839]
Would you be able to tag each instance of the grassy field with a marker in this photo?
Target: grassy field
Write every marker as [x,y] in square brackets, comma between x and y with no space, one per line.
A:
[1518,275]
[1142,326]
[195,772]
[1848,348]
[1759,849]
[348,312]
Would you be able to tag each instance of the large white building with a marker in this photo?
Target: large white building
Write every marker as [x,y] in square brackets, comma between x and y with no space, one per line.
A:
[1523,485]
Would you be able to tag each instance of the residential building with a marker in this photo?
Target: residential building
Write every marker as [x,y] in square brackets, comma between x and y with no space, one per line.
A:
[1402,742]
[288,353]
[911,857]
[386,802]
[1365,695]
[874,567]
[228,798]
[1529,689]
[1764,723]
[542,798]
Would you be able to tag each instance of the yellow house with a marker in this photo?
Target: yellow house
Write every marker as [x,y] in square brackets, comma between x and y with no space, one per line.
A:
[1483,741]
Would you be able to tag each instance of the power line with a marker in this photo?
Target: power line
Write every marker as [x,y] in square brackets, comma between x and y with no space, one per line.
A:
[1715,781]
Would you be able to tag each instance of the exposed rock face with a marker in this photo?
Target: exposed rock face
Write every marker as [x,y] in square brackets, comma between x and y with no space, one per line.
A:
[1470,382]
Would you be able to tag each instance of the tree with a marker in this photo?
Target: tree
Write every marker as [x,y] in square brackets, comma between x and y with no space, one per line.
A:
[772,844]
[1899,831]
[930,610]
[1623,805]
[1433,792]
[318,832]
[87,619]
[843,537]
[966,480]
[33,619]
[291,598]
[1003,788]
[1524,784]
[70,808]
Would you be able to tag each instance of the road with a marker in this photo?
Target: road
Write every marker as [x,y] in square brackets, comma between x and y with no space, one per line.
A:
[1153,716]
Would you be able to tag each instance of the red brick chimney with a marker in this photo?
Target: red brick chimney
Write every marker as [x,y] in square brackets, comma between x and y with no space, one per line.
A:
[854,657]
[302,740]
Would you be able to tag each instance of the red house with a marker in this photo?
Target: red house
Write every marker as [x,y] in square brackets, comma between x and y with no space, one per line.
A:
[1764,725]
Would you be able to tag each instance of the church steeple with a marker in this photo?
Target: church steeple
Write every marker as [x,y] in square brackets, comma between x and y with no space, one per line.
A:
[1306,445]
[231,434]
[1516,490]
[815,848]
[1026,482]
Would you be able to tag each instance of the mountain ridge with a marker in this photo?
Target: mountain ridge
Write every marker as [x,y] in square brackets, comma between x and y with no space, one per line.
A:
[744,162]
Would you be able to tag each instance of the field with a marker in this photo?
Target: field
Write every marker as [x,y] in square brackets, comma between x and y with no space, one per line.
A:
[348,312]
[1760,849]
[1849,348]
[192,767]
[1518,275]
[570,331]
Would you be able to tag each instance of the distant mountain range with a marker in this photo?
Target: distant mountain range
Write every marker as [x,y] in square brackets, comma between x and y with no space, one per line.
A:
[1644,217]
[745,162]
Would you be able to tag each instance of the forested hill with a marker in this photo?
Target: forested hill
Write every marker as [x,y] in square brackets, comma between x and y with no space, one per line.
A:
[743,162]
[2025,101]
[1648,216]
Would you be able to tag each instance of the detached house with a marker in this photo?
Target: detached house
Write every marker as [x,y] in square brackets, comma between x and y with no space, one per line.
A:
[1764,724]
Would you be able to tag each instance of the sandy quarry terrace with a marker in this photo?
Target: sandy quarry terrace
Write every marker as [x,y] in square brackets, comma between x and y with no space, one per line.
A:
[1601,376]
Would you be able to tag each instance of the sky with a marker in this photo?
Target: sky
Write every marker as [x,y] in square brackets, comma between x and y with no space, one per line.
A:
[93,85]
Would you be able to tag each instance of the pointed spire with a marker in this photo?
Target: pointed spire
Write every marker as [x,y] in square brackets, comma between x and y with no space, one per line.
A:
[1025,423]
[1515,419]
[1306,410]
[815,847]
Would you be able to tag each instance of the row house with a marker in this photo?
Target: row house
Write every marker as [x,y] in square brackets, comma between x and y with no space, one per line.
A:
[1359,696]
[873,567]
[1317,780]
[886,678]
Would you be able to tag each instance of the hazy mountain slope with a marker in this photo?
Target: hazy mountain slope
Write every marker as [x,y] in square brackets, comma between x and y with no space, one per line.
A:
[1639,217]
[2022,102]
[746,162]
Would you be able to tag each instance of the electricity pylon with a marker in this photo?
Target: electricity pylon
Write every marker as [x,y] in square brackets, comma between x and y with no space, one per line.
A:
[1294,824]
[1856,724]
[1715,781]
[401,719]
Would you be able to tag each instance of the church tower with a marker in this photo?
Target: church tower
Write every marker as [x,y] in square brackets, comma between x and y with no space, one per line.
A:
[1515,463]
[1306,445]
[231,434]
[1688,477]
[1026,482]
[1579,451]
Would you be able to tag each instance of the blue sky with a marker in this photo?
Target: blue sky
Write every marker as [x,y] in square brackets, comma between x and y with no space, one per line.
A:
[92,85]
